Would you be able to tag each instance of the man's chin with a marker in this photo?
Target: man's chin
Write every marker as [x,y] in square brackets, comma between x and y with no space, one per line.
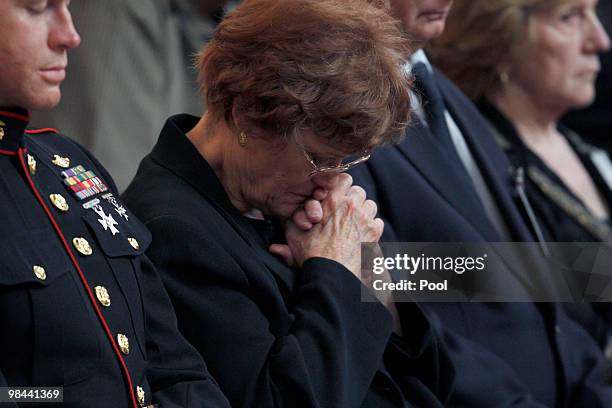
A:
[45,101]
[430,31]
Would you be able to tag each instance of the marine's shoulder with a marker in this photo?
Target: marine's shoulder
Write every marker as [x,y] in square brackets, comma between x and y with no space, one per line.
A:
[53,140]
[49,137]
[51,144]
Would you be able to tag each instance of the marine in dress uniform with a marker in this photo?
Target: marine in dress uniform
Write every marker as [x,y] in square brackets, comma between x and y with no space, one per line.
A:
[81,306]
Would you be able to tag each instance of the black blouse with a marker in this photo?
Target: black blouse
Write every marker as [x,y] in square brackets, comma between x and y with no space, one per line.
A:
[560,214]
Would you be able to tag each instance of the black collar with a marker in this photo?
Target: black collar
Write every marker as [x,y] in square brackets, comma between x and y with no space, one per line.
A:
[176,152]
[13,123]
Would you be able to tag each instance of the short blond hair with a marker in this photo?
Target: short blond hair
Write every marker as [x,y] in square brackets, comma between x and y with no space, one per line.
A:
[479,35]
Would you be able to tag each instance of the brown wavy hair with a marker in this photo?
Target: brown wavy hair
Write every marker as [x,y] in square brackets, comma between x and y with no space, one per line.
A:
[479,35]
[333,67]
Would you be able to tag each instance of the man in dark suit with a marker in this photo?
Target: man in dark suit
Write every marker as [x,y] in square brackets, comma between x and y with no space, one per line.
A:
[449,182]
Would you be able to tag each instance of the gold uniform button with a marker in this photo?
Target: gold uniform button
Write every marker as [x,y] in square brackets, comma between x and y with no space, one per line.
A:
[63,162]
[140,395]
[134,243]
[103,296]
[2,124]
[32,164]
[82,246]
[124,343]
[39,271]
[59,202]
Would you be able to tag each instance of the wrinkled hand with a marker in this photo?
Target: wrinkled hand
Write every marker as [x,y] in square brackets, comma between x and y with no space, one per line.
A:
[332,225]
[304,218]
[348,220]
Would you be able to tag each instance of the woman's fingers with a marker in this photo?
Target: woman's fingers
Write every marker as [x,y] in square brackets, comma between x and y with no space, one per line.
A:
[313,211]
[358,195]
[300,218]
[284,252]
[370,208]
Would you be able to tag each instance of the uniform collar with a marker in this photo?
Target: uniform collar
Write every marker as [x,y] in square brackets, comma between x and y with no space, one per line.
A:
[13,123]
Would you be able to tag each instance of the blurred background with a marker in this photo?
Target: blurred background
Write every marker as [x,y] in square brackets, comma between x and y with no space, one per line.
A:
[132,70]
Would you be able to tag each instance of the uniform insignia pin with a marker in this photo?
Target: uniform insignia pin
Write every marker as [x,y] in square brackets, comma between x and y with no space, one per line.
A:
[63,162]
[120,209]
[32,164]
[91,204]
[107,221]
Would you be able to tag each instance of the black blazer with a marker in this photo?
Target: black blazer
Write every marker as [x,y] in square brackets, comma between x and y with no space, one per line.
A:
[63,310]
[425,195]
[273,336]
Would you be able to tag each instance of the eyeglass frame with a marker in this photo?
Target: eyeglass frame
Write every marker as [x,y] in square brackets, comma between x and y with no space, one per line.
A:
[316,169]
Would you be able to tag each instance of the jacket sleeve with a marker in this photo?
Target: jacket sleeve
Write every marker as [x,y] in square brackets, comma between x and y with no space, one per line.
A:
[176,372]
[482,370]
[586,370]
[323,351]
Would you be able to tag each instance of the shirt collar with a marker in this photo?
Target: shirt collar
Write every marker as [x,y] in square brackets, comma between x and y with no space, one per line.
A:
[415,58]
[13,123]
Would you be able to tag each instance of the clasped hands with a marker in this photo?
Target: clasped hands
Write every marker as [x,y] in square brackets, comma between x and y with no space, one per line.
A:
[333,224]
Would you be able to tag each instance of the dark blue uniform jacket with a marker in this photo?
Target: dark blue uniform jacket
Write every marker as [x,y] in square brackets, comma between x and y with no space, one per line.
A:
[81,307]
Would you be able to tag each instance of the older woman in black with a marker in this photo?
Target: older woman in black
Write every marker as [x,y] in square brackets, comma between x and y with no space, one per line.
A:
[297,93]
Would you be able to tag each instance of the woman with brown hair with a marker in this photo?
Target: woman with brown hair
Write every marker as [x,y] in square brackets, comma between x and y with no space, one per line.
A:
[527,63]
[298,92]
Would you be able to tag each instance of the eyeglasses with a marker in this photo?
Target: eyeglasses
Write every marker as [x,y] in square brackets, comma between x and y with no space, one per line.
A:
[343,166]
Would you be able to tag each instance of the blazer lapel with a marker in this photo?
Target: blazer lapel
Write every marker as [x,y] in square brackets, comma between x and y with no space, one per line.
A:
[446,175]
[491,160]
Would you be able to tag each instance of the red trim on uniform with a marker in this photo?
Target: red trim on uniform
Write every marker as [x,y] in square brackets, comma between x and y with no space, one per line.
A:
[43,130]
[8,152]
[126,373]
[24,118]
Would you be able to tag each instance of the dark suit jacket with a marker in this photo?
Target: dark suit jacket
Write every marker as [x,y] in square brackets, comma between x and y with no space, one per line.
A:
[271,335]
[57,329]
[425,195]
